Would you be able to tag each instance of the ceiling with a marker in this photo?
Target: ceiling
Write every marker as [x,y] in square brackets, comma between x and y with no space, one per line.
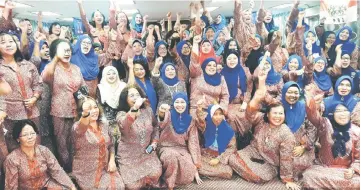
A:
[156,10]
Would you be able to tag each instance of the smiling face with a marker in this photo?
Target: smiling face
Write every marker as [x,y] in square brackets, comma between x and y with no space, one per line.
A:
[331,39]
[86,46]
[7,45]
[218,19]
[27,137]
[180,105]
[344,88]
[170,72]
[44,51]
[218,117]
[30,27]
[319,65]
[268,17]
[341,115]
[111,76]
[310,37]
[63,52]
[258,44]
[221,38]
[293,65]
[98,17]
[206,47]
[122,18]
[232,61]
[162,50]
[94,110]
[292,95]
[210,34]
[267,66]
[186,50]
[344,35]
[138,19]
[139,71]
[276,116]
[211,68]
[56,29]
[133,95]
[137,48]
[232,45]
[247,17]
[345,61]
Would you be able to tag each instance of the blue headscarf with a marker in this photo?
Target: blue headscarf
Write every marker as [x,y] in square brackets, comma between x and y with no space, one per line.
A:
[180,122]
[149,91]
[185,58]
[205,20]
[43,62]
[322,79]
[233,76]
[213,80]
[219,48]
[295,114]
[332,51]
[349,71]
[271,26]
[347,42]
[88,63]
[221,25]
[134,25]
[205,31]
[168,57]
[349,100]
[223,132]
[340,135]
[299,60]
[168,81]
[272,77]
[315,47]
[356,83]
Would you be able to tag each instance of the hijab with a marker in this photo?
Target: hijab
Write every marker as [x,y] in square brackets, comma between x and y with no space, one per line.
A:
[134,25]
[218,47]
[221,25]
[168,57]
[234,76]
[88,63]
[253,57]
[347,42]
[349,71]
[294,114]
[272,77]
[168,81]
[300,65]
[110,93]
[322,79]
[204,56]
[213,80]
[349,100]
[332,51]
[315,48]
[185,58]
[205,20]
[340,134]
[270,26]
[43,62]
[180,122]
[222,134]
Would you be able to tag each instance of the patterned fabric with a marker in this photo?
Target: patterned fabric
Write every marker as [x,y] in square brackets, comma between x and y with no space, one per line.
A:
[43,171]
[25,84]
[91,157]
[138,169]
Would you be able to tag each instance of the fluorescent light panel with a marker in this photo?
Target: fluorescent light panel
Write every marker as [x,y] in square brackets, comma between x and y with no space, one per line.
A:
[130,11]
[67,19]
[21,5]
[210,9]
[47,13]
[282,6]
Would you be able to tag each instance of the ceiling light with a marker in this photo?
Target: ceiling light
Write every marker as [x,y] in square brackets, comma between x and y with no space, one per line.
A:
[47,13]
[282,6]
[21,5]
[130,11]
[210,9]
[125,2]
[67,19]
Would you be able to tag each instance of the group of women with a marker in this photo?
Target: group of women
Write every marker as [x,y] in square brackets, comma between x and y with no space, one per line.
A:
[131,105]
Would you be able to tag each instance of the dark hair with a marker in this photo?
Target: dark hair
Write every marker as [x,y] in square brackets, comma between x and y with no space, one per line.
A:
[128,24]
[54,46]
[144,65]
[93,22]
[173,41]
[144,39]
[268,109]
[80,108]
[20,124]
[18,56]
[123,104]
[51,27]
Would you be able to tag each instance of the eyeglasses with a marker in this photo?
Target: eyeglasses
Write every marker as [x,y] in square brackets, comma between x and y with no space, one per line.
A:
[28,135]
[342,111]
[86,43]
[345,58]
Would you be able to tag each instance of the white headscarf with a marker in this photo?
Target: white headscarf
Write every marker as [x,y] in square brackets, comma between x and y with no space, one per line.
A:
[110,92]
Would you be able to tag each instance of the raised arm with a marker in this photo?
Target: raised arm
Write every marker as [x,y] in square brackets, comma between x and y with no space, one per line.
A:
[292,17]
[313,115]
[49,70]
[195,69]
[112,15]
[336,69]
[261,29]
[83,17]
[131,77]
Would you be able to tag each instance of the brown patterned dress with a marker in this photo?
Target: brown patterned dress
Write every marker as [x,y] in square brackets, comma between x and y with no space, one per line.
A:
[137,168]
[43,171]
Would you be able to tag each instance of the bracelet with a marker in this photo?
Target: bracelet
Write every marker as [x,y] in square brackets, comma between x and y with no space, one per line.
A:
[85,116]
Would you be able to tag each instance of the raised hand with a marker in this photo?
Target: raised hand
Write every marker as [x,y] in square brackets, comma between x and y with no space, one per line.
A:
[309,46]
[145,18]
[79,1]
[39,36]
[156,28]
[301,15]
[23,26]
[164,108]
[301,71]
[139,102]
[9,5]
[267,54]
[338,48]
[162,22]
[169,15]
[197,39]
[251,4]
[158,62]
[130,63]
[86,107]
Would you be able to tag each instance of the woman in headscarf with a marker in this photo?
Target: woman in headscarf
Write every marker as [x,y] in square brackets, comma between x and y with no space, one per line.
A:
[138,25]
[343,94]
[108,93]
[251,61]
[274,81]
[178,146]
[304,131]
[219,42]
[339,154]
[218,141]
[343,37]
[206,81]
[86,59]
[270,151]
[310,39]
[205,51]
[219,23]
[319,80]
[328,48]
[279,55]
[265,22]
[184,57]
[293,71]
[166,82]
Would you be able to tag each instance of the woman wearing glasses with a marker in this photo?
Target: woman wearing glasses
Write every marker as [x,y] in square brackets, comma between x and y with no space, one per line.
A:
[33,166]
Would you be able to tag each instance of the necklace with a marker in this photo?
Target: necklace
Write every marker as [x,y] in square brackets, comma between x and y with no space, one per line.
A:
[172,92]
